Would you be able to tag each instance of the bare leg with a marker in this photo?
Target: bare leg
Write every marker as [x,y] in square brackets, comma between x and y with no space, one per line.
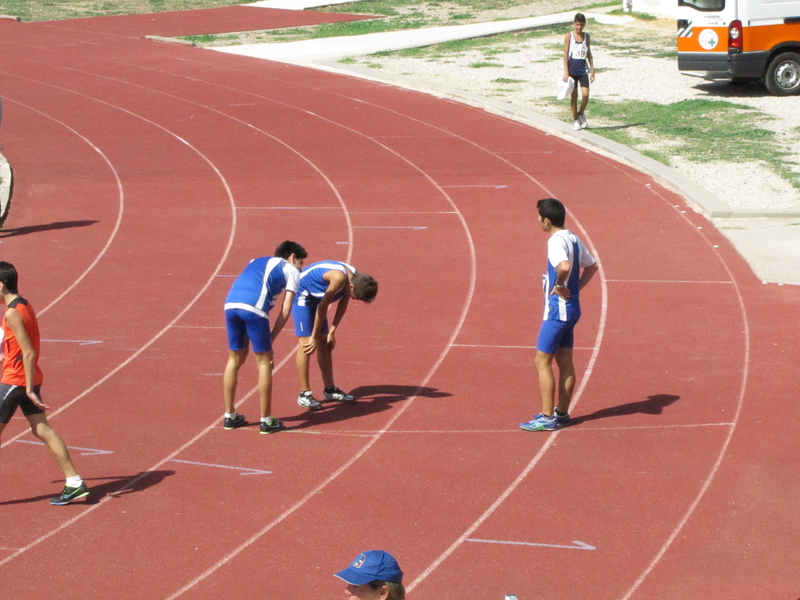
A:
[230,379]
[264,363]
[566,378]
[584,100]
[42,430]
[325,362]
[573,101]
[302,359]
[547,382]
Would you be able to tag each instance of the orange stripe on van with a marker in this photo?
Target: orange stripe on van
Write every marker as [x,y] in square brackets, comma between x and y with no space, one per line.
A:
[692,44]
[766,37]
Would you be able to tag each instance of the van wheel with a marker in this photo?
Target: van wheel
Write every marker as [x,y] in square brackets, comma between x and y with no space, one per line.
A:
[783,74]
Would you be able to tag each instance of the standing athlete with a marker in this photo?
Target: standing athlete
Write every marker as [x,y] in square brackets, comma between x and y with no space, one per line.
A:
[247,321]
[566,256]
[21,381]
[322,284]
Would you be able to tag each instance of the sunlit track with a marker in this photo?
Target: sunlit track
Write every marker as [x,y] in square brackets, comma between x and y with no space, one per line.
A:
[120,211]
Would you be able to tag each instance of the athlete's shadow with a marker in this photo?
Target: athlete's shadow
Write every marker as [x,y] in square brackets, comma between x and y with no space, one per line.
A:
[370,399]
[114,486]
[16,231]
[654,405]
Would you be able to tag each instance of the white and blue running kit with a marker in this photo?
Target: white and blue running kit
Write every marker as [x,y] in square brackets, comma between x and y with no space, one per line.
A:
[560,316]
[251,298]
[577,59]
[312,289]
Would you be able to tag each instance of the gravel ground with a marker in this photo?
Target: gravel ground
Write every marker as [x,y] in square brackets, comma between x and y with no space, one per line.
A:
[631,64]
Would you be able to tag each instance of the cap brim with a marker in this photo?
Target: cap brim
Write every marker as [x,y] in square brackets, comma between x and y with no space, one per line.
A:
[353,577]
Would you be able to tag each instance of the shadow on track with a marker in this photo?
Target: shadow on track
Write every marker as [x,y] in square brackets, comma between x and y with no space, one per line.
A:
[371,399]
[654,405]
[16,231]
[111,486]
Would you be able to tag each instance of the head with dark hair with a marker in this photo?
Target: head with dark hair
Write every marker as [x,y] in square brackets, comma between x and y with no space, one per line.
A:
[287,248]
[365,288]
[552,210]
[8,277]
[579,18]
[394,589]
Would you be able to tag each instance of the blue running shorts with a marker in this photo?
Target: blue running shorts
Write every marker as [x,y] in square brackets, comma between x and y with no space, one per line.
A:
[554,335]
[303,318]
[243,325]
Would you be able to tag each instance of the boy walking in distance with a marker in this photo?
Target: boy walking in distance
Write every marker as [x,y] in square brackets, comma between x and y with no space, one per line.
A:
[247,321]
[566,256]
[578,64]
[322,284]
[21,381]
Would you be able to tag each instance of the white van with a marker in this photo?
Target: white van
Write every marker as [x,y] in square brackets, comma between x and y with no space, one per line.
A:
[742,40]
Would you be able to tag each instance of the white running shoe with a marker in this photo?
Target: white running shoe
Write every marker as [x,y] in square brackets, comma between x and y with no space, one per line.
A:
[584,123]
[307,400]
[576,125]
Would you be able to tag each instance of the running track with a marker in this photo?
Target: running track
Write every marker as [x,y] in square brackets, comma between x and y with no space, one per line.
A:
[148,174]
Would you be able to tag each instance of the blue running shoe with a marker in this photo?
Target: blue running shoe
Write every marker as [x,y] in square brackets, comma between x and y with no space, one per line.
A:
[541,423]
[562,418]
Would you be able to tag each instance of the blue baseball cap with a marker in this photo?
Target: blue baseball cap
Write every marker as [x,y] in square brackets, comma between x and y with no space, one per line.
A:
[372,565]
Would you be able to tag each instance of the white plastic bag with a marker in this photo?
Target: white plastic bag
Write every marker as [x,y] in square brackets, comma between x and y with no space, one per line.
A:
[565,87]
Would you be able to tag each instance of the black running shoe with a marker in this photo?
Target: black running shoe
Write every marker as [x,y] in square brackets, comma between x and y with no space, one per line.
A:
[235,422]
[276,425]
[69,494]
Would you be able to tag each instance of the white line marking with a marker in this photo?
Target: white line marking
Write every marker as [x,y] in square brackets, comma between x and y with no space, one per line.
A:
[244,470]
[496,187]
[79,342]
[415,227]
[665,281]
[576,545]
[84,451]
[121,196]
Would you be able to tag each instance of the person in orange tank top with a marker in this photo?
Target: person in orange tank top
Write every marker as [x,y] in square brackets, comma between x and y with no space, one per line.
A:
[21,381]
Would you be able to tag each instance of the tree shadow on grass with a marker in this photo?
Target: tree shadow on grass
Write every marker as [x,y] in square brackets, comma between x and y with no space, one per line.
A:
[111,486]
[654,405]
[370,399]
[17,231]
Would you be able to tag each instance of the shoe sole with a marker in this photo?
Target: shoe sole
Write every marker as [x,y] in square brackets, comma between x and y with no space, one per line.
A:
[272,431]
[312,407]
[541,429]
[340,400]
[71,500]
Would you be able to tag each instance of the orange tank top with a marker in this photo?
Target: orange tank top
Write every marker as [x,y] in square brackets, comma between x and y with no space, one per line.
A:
[13,368]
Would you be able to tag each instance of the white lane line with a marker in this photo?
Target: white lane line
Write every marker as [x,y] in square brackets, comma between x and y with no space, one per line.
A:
[84,451]
[79,342]
[576,544]
[120,210]
[666,281]
[242,470]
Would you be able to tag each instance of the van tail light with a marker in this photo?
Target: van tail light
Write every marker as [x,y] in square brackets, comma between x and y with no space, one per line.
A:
[735,37]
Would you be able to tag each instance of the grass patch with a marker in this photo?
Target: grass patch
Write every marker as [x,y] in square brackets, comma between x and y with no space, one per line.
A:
[506,80]
[697,130]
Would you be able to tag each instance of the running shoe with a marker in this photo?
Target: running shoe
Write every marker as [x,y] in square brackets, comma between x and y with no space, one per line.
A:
[235,422]
[69,494]
[562,418]
[576,124]
[334,394]
[541,423]
[584,122]
[276,425]
[307,400]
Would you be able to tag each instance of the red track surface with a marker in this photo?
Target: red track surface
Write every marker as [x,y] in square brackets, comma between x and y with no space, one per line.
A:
[147,175]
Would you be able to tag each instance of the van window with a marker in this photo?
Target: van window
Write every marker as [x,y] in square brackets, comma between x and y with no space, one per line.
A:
[705,5]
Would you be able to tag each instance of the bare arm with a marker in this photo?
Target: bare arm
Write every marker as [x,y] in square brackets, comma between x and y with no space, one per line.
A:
[336,280]
[590,58]
[587,275]
[560,288]
[15,322]
[566,57]
[286,310]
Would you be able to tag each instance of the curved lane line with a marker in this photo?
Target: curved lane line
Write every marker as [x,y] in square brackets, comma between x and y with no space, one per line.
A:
[119,212]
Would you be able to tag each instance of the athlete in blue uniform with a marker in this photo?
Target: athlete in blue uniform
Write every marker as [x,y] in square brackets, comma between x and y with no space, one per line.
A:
[566,256]
[321,284]
[247,321]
